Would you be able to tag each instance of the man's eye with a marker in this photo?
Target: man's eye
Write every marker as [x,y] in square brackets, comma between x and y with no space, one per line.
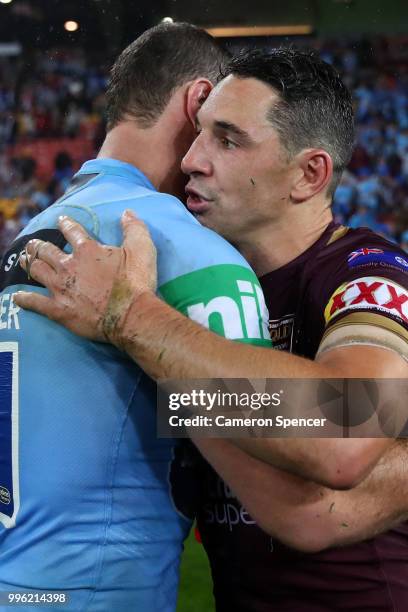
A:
[227,143]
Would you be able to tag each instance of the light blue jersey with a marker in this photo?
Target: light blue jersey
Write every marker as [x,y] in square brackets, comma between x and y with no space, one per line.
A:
[91,501]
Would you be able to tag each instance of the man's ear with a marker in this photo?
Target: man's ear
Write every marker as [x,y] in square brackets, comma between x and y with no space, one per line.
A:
[315,174]
[197,93]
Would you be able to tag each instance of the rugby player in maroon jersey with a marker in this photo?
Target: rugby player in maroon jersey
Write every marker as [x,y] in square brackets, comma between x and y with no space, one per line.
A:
[273,139]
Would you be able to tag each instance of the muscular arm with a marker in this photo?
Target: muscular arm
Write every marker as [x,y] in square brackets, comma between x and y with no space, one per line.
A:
[162,342]
[307,516]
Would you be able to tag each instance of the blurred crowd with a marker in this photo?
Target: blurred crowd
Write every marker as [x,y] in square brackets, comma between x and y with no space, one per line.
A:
[47,101]
[58,97]
[374,189]
[52,95]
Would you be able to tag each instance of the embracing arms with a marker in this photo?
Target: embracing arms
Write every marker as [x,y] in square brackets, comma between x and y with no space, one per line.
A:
[308,516]
[123,309]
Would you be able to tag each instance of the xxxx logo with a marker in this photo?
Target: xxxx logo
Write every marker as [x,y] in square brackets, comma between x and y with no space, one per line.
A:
[369,293]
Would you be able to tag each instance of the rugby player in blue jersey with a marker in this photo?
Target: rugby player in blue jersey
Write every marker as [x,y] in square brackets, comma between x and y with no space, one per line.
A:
[91,502]
[273,139]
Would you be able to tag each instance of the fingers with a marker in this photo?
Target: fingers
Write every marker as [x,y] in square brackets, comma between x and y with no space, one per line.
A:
[133,229]
[129,216]
[46,251]
[73,231]
[38,303]
[39,270]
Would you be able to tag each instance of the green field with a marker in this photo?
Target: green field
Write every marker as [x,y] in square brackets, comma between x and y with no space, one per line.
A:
[195,584]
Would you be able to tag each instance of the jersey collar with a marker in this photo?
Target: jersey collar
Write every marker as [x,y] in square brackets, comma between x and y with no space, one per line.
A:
[117,168]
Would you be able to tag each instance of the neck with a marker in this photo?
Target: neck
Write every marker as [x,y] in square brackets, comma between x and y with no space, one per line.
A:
[156,151]
[282,240]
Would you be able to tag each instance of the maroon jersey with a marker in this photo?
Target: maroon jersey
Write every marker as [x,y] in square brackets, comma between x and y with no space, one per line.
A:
[347,274]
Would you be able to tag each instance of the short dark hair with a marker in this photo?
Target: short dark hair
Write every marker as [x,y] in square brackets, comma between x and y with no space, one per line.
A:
[152,67]
[314,108]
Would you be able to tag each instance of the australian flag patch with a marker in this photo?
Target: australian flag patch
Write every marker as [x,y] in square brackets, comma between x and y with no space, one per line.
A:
[370,256]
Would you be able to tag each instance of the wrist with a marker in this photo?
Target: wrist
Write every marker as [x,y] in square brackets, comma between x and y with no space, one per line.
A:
[125,313]
[133,330]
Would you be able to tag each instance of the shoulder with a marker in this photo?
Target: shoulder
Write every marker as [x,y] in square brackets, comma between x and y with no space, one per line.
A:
[361,274]
[183,244]
[349,254]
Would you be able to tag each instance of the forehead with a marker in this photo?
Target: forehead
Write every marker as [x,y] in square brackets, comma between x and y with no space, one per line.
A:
[244,102]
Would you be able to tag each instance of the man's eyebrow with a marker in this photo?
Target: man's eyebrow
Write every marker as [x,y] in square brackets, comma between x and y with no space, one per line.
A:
[234,129]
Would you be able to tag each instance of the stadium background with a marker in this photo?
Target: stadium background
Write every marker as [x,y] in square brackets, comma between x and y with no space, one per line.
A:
[54,63]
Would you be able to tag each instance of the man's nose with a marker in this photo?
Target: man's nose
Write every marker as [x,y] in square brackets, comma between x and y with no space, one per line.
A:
[196,160]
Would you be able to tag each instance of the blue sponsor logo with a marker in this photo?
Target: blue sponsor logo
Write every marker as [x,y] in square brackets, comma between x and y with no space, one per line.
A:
[377,257]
